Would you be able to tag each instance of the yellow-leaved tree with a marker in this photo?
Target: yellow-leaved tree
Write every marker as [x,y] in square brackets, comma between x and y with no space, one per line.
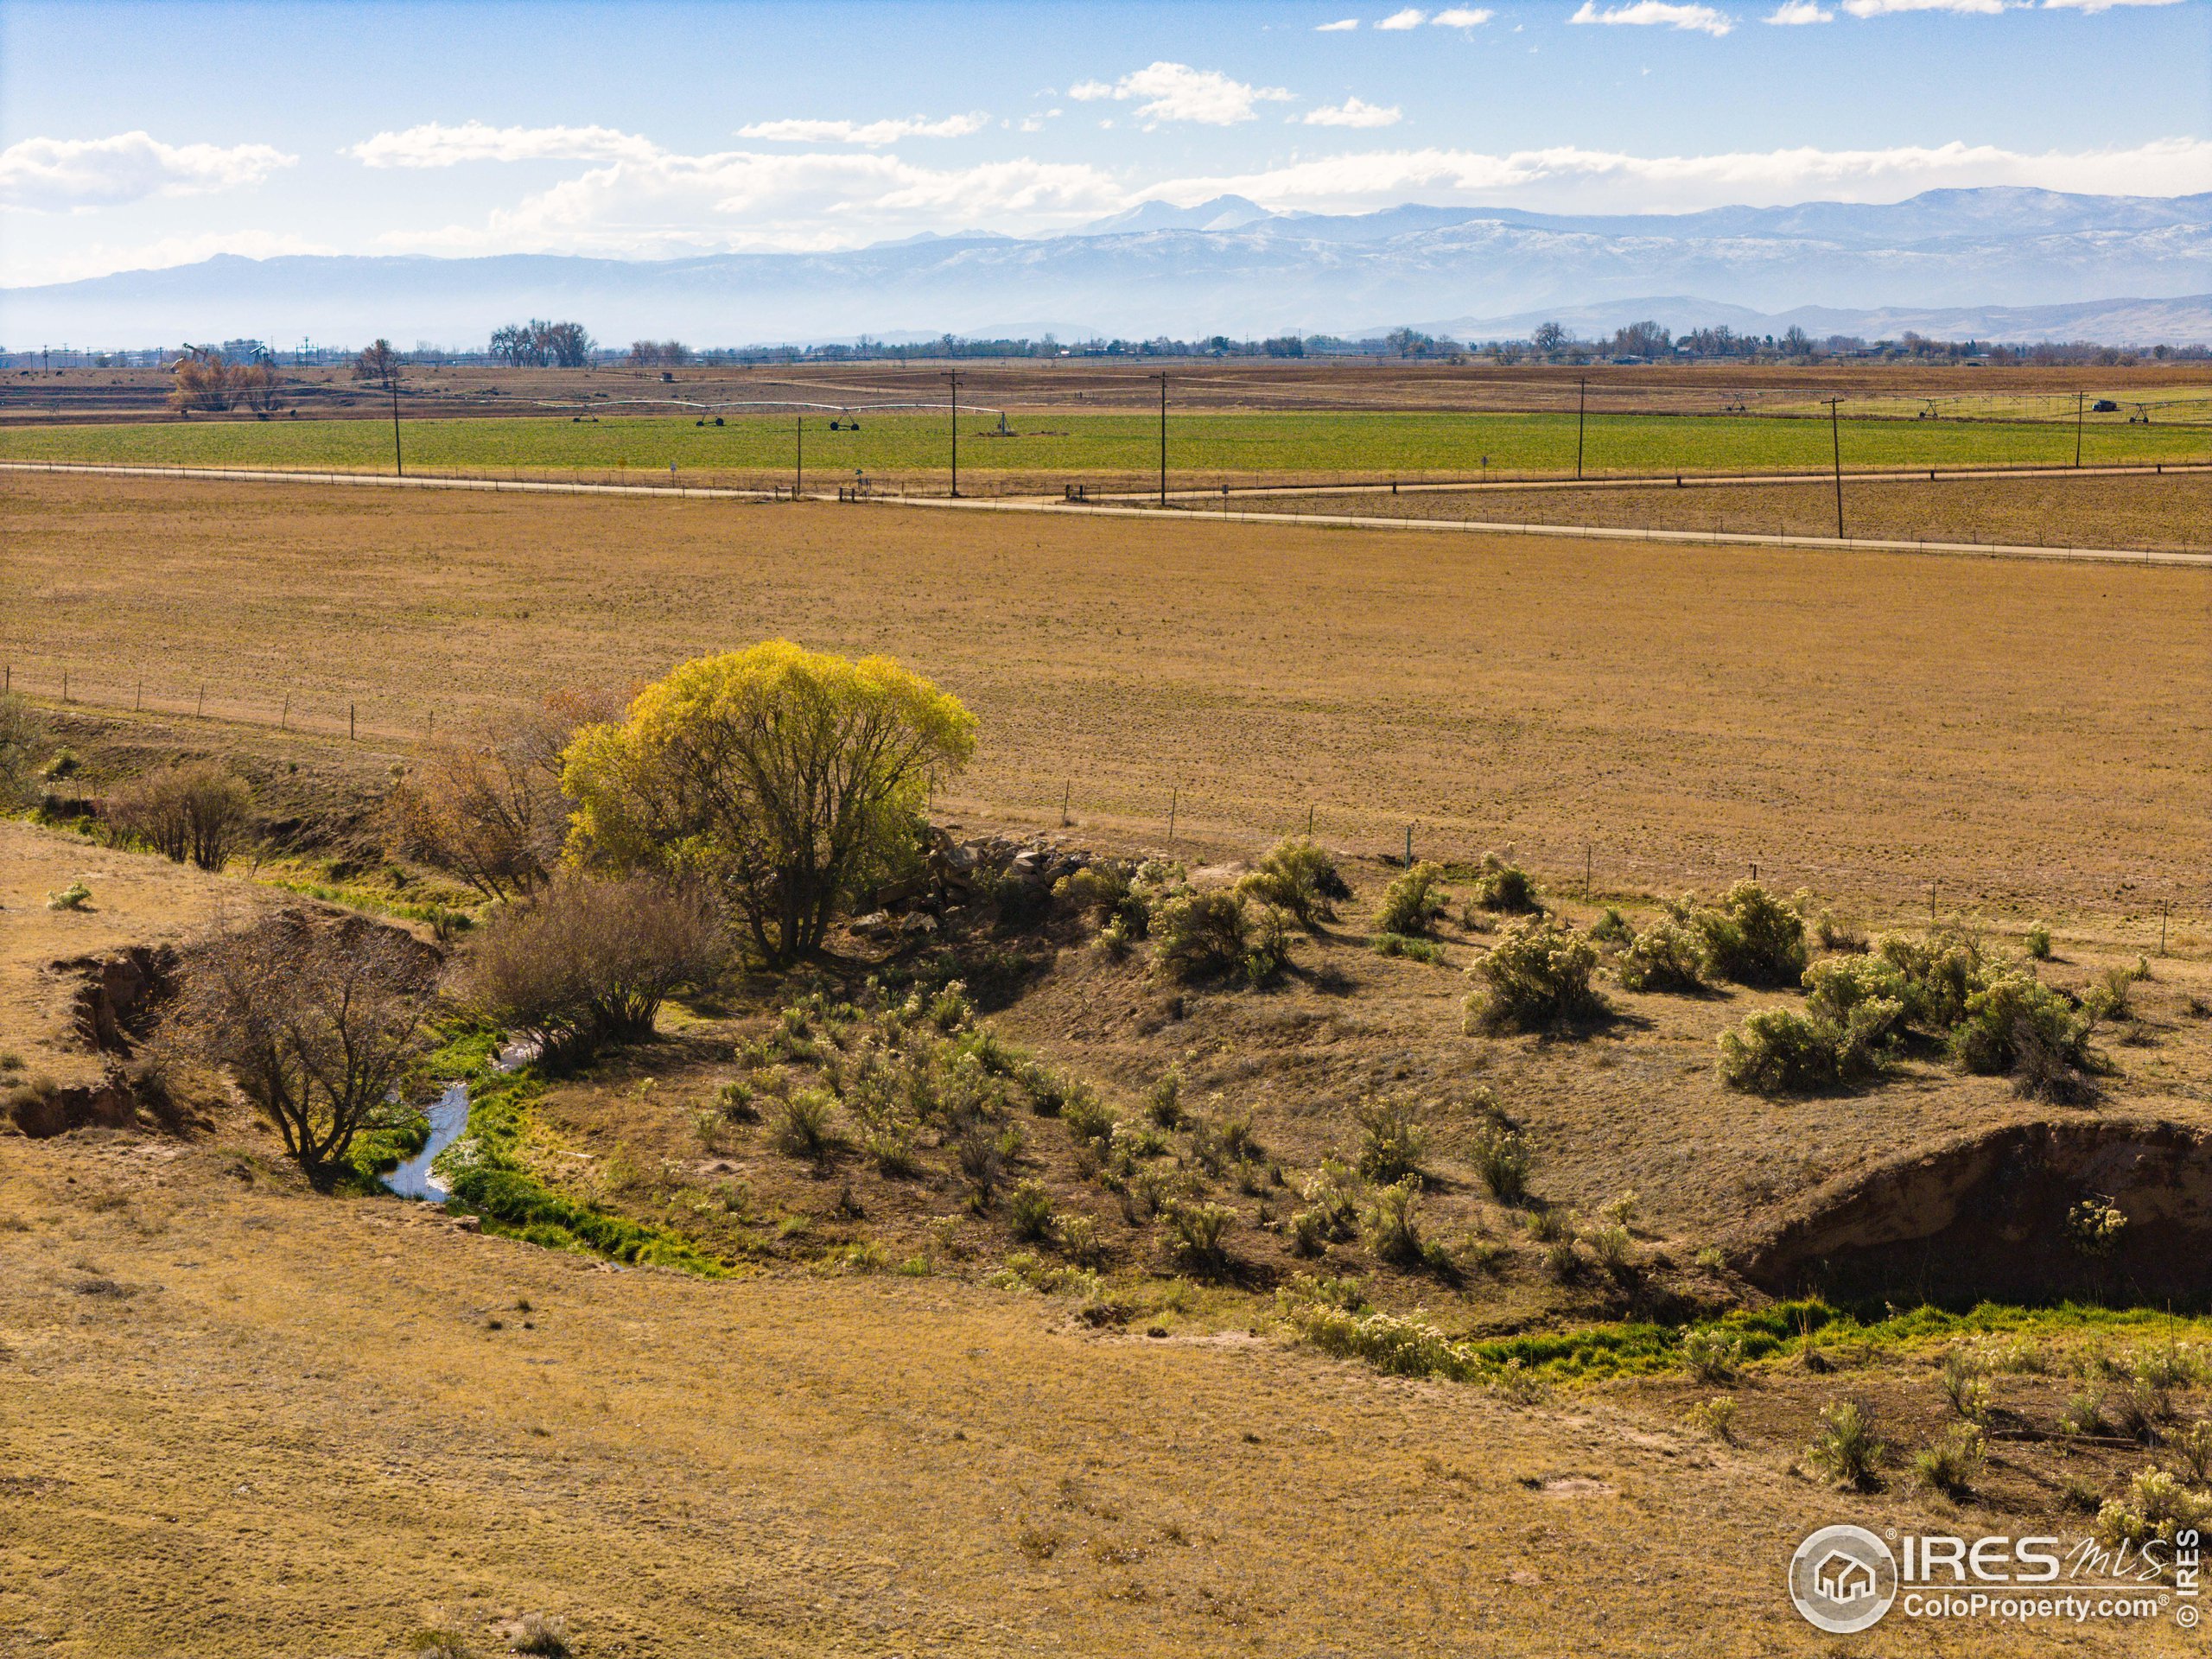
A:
[787,778]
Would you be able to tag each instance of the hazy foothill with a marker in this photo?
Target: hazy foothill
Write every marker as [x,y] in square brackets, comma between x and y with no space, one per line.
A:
[1310,914]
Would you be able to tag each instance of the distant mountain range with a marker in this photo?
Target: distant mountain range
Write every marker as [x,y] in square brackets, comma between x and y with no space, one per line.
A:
[1999,263]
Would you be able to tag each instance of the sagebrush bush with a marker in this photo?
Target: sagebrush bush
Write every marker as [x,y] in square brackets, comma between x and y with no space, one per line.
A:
[1197,1234]
[1954,1463]
[200,811]
[1200,937]
[1665,957]
[1500,1155]
[1609,1246]
[1266,956]
[800,1125]
[2158,1505]
[1846,1450]
[1392,1141]
[1709,1356]
[1300,877]
[1779,1051]
[2011,1011]
[2037,941]
[1030,1209]
[1752,937]
[1078,1237]
[1502,885]
[1412,903]
[1331,1195]
[1941,971]
[1391,1222]
[1537,976]
[1106,895]
[1611,928]
[1961,1381]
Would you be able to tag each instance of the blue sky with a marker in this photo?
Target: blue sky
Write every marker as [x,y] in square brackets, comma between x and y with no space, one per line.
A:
[140,134]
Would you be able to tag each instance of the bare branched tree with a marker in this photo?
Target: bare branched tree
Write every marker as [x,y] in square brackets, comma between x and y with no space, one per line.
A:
[490,808]
[202,380]
[319,1025]
[591,962]
[201,810]
[377,362]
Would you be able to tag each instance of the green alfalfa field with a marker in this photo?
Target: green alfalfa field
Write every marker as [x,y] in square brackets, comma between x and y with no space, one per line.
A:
[1042,447]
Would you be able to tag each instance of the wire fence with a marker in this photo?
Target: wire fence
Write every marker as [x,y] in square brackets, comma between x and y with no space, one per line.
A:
[2166,902]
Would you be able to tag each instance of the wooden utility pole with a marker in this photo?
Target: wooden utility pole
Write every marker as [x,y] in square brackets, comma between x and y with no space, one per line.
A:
[398,469]
[1835,438]
[953,380]
[1163,437]
[1581,414]
[2078,400]
[798,461]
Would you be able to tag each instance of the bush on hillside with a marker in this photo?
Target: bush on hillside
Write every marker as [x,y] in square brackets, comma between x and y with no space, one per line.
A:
[1537,976]
[200,811]
[1412,903]
[1501,885]
[1752,937]
[1665,957]
[590,962]
[1299,876]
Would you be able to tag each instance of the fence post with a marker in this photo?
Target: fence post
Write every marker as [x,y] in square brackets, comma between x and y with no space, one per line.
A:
[65,685]
[1589,857]
[1409,831]
[200,708]
[284,720]
[349,722]
[1067,793]
[1173,797]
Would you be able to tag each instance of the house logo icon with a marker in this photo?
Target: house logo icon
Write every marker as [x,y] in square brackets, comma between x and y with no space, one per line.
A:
[1843,1580]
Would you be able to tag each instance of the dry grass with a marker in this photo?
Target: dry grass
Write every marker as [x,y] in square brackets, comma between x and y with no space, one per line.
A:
[304,1419]
[1860,724]
[137,898]
[2172,510]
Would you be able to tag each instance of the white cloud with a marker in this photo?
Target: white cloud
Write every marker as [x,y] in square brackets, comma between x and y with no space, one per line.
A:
[57,174]
[1341,26]
[1354,112]
[1463,17]
[436,144]
[1893,8]
[1658,14]
[669,204]
[1175,92]
[871,134]
[1568,179]
[2101,5]
[1793,12]
[1409,18]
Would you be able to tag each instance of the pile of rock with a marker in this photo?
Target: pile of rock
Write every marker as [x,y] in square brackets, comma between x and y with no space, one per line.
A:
[956,873]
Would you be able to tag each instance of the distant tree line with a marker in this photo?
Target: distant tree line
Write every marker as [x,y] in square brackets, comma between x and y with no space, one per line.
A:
[538,343]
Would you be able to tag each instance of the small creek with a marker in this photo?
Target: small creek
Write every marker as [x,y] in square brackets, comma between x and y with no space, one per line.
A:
[448,1121]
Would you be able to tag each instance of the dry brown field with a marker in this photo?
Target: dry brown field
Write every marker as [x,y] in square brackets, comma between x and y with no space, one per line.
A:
[239,1416]
[2173,511]
[244,1419]
[2031,737]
